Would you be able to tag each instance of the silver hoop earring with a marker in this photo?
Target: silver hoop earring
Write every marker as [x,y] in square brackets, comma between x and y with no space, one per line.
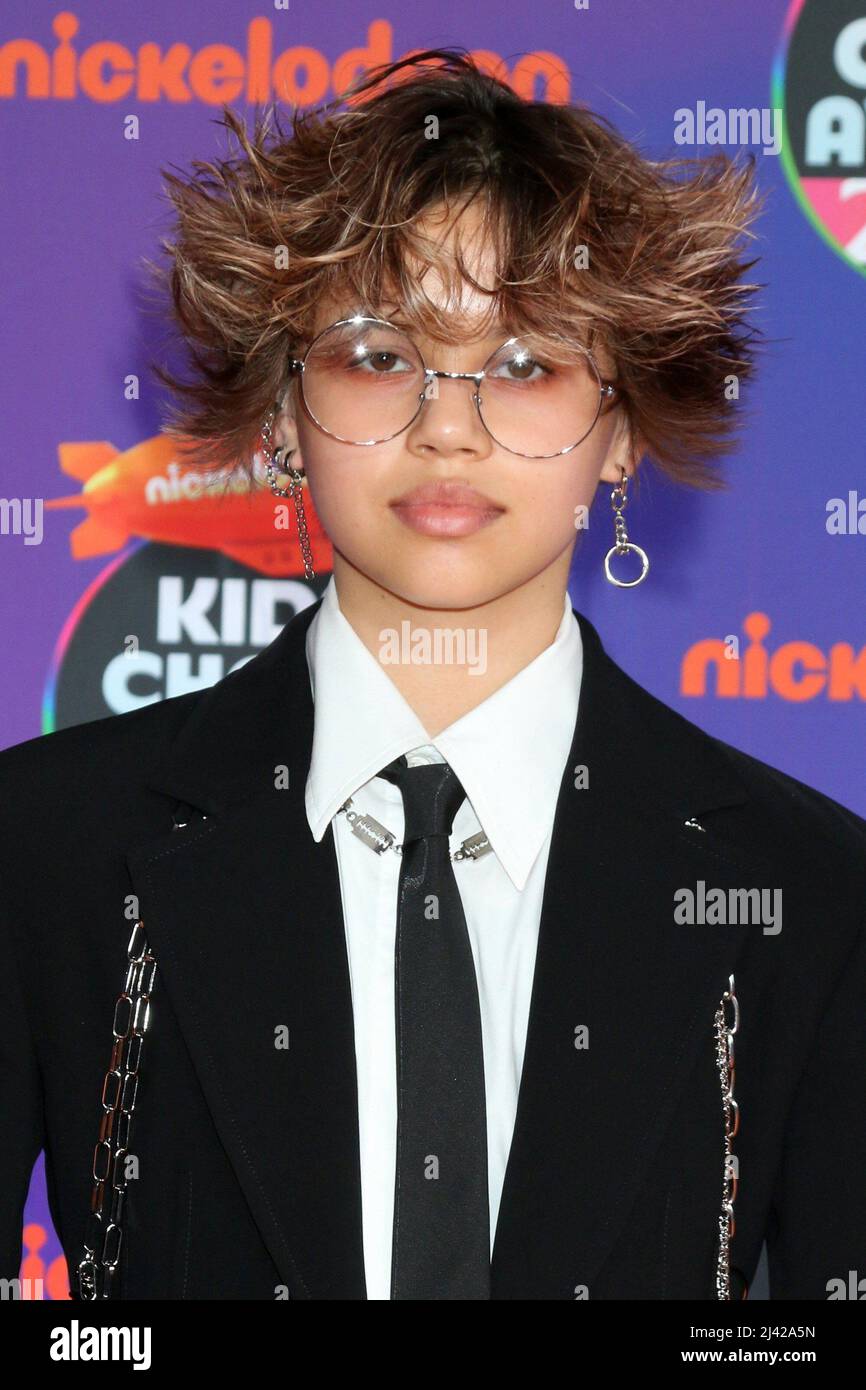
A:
[280,463]
[622,545]
[274,464]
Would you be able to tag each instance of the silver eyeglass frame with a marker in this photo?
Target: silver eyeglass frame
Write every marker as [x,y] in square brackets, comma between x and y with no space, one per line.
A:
[297,367]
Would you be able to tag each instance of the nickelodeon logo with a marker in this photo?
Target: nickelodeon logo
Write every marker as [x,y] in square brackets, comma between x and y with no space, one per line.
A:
[107,71]
[795,671]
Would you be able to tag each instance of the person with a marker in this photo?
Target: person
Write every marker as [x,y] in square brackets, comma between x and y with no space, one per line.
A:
[428,956]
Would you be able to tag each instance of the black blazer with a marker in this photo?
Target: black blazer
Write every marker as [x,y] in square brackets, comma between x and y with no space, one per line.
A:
[248,1171]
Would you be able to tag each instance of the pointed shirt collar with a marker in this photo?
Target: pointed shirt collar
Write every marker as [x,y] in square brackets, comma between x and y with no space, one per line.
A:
[509,752]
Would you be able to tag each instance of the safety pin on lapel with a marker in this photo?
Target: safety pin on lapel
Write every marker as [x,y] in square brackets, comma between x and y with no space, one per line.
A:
[725,1032]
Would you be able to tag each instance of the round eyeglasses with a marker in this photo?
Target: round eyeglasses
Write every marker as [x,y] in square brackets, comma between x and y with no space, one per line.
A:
[363,381]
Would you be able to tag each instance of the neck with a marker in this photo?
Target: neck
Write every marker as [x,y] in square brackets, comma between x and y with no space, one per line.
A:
[446,661]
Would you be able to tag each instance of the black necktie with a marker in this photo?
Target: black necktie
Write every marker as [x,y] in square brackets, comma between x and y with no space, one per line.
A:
[441,1213]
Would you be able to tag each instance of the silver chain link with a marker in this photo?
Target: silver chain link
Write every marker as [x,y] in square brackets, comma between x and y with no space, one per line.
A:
[622,545]
[618,502]
[97,1271]
[294,489]
[725,1060]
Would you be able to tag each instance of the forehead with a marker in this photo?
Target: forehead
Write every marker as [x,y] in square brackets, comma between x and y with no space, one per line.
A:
[465,304]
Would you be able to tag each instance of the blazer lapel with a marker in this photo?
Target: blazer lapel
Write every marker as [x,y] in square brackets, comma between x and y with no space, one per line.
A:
[612,959]
[242,909]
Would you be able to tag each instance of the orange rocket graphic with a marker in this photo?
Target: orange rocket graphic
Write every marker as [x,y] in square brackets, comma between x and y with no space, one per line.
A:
[149,492]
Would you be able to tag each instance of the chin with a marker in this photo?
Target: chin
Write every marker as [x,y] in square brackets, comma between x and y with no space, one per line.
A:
[449,592]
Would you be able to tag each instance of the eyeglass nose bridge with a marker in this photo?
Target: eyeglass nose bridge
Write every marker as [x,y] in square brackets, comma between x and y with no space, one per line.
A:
[432,374]
[477,377]
[607,388]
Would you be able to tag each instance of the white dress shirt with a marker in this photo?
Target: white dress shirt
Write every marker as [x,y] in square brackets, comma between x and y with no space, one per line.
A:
[509,753]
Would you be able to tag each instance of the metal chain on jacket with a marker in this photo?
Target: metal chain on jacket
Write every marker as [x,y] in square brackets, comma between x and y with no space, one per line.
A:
[97,1271]
[725,1060]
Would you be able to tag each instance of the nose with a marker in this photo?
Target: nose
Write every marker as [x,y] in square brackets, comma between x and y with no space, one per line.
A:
[448,422]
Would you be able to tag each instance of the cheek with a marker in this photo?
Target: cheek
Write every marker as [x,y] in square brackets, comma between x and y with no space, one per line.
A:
[346,485]
[553,491]
[337,500]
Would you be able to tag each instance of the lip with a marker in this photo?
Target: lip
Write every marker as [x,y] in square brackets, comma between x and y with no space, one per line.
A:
[446,509]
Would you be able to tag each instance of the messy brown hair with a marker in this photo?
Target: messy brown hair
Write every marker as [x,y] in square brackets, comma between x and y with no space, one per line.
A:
[334,205]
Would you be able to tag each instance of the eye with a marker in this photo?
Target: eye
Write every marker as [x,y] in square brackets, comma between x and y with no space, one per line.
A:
[381,362]
[520,366]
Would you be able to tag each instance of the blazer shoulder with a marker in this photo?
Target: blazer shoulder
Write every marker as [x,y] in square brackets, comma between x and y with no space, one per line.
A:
[794,814]
[115,747]
[793,798]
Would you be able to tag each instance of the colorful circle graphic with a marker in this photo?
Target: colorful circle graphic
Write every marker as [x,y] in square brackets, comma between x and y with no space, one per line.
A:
[819,83]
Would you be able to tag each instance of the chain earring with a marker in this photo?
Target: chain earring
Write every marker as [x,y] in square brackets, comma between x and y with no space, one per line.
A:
[274,465]
[622,545]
